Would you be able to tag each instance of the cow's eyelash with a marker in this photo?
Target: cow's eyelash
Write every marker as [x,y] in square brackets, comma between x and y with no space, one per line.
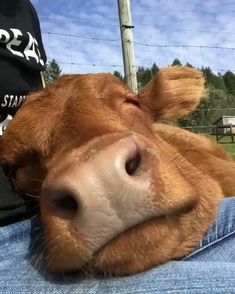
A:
[134,102]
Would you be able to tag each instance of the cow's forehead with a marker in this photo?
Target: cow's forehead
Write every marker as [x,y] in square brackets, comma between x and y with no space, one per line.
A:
[83,96]
[93,86]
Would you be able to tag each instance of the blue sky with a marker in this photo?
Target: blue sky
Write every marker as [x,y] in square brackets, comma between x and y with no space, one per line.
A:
[157,22]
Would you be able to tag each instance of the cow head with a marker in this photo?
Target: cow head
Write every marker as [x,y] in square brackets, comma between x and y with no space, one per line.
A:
[114,194]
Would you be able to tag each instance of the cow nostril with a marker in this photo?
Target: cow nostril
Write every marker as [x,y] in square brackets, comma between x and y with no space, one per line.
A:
[66,203]
[133,164]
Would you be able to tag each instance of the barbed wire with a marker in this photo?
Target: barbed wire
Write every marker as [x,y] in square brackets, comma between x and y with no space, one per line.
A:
[121,65]
[216,109]
[90,64]
[140,43]
[184,30]
[81,37]
[182,46]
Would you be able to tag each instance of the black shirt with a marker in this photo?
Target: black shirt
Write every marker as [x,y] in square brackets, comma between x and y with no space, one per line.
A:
[22,58]
[13,208]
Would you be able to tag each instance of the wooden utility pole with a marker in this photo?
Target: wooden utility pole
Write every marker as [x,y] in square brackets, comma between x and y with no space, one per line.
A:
[126,28]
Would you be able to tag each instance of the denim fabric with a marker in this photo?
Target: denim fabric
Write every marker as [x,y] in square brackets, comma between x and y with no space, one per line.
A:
[219,244]
[210,269]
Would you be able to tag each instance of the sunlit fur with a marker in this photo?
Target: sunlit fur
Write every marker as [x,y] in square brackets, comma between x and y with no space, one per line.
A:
[190,173]
[174,92]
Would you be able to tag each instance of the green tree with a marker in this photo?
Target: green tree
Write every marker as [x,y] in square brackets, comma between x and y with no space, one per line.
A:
[52,72]
[144,75]
[212,80]
[229,81]
[188,65]
[176,61]
[154,69]
[118,75]
[216,104]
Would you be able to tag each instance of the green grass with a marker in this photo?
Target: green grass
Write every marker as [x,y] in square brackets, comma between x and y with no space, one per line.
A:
[229,147]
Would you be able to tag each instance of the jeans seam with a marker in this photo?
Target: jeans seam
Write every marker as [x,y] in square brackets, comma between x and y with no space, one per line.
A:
[209,244]
[227,230]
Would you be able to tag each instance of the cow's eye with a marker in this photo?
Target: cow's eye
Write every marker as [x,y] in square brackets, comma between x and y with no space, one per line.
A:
[9,171]
[133,102]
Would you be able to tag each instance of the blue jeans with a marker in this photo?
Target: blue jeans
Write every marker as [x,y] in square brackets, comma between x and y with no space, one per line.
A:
[209,269]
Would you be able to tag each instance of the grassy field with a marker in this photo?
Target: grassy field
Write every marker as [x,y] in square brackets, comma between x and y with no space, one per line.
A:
[230,147]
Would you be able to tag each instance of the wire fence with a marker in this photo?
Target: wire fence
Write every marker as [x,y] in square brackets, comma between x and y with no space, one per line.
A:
[104,54]
[53,38]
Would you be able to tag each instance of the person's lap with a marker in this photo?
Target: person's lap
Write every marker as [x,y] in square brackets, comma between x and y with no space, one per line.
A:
[210,269]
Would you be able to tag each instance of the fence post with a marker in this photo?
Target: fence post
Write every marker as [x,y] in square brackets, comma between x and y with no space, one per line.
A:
[126,28]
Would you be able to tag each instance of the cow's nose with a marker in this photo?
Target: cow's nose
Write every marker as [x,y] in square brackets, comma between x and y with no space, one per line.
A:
[132,164]
[122,161]
[64,201]
[106,194]
[113,166]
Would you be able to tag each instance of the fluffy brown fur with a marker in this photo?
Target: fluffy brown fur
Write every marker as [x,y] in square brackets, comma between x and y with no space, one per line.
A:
[190,174]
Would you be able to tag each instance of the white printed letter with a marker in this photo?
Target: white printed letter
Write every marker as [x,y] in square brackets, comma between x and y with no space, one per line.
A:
[4,103]
[4,34]
[30,49]
[15,42]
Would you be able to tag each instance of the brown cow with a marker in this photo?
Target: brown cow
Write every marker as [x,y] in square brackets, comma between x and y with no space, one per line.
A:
[118,193]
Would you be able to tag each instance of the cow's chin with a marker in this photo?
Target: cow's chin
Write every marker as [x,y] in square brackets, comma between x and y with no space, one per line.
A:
[135,250]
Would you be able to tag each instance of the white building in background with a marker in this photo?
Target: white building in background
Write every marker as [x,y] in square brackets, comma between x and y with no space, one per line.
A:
[225,125]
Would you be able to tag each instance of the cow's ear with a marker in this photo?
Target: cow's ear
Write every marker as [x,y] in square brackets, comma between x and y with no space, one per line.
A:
[174,92]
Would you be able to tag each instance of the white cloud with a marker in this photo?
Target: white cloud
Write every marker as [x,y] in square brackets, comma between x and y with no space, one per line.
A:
[182,22]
